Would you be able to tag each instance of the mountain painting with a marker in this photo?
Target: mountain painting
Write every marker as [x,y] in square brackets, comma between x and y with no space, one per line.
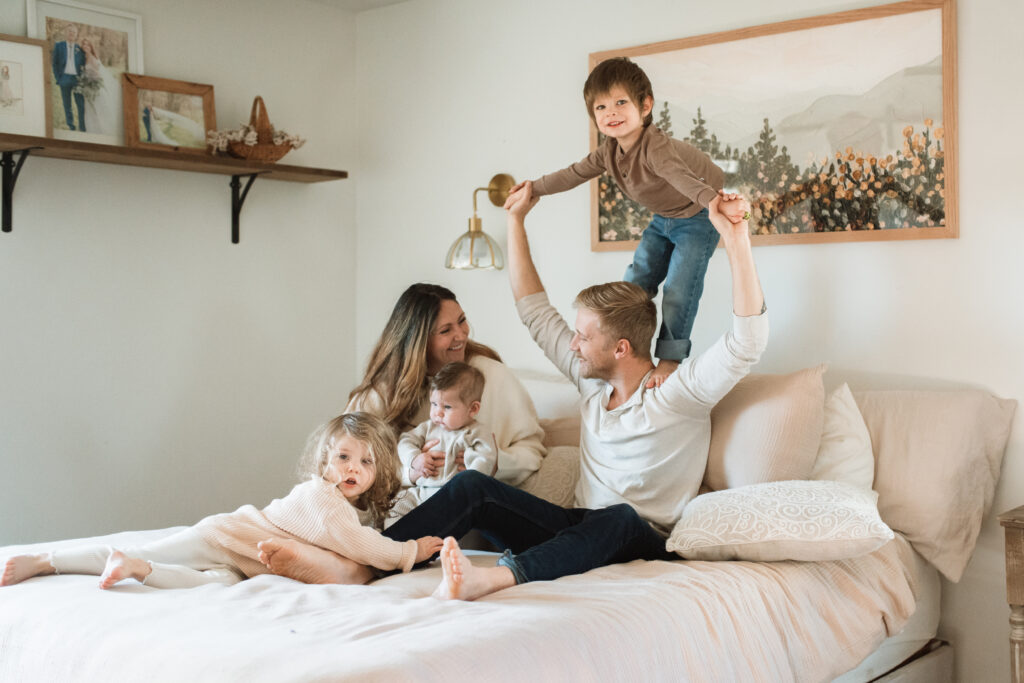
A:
[836,128]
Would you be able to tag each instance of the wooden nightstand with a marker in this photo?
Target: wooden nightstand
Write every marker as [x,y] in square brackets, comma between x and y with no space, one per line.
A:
[1013,521]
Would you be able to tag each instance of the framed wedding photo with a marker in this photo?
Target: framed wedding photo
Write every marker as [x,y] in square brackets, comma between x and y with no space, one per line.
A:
[24,87]
[838,128]
[88,48]
[160,113]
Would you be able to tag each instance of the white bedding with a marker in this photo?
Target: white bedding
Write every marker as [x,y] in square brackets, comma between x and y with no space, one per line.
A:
[642,621]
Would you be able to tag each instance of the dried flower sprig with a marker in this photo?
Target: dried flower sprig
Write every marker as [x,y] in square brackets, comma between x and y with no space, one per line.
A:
[246,134]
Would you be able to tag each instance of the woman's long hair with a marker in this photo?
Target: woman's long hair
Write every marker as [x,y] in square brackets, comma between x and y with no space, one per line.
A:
[397,369]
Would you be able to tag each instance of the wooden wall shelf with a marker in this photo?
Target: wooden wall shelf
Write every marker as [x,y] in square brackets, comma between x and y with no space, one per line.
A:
[25,145]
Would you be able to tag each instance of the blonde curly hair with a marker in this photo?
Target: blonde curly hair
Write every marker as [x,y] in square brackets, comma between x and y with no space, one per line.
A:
[381,444]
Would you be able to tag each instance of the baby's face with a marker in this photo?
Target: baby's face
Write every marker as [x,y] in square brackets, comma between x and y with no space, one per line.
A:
[449,410]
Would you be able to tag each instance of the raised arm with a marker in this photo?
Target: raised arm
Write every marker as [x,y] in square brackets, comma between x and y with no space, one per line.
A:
[747,297]
[522,273]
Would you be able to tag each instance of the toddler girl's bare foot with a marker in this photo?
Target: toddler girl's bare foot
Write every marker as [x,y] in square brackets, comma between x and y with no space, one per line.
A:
[21,567]
[311,564]
[463,581]
[661,373]
[120,567]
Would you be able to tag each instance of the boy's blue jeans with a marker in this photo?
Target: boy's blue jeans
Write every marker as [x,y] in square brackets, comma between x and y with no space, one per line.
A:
[676,251]
[542,541]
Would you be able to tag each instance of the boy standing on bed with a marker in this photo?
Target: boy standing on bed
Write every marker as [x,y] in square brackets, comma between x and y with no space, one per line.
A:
[643,450]
[673,179]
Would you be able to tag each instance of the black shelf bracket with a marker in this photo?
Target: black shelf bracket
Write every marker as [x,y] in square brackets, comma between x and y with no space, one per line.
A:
[237,199]
[11,169]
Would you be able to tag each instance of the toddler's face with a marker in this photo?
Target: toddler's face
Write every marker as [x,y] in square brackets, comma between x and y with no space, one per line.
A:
[618,116]
[449,410]
[350,466]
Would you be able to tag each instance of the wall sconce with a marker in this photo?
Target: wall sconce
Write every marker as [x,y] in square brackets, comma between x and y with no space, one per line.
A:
[475,248]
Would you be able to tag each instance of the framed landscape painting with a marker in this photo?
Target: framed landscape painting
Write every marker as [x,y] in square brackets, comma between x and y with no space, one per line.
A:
[837,128]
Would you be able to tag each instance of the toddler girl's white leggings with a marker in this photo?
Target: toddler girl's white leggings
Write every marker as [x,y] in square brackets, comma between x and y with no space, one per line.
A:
[181,560]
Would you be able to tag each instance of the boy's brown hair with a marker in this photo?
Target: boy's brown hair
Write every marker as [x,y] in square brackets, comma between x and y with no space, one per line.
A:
[625,311]
[462,376]
[623,72]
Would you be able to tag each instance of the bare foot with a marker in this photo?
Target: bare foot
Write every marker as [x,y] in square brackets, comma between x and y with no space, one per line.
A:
[311,564]
[661,373]
[120,567]
[463,581]
[21,567]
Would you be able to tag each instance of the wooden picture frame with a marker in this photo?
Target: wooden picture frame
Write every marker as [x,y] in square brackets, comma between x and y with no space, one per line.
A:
[24,87]
[85,86]
[160,113]
[848,122]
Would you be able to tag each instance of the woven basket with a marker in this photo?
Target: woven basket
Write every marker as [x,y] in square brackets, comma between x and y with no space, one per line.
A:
[264,149]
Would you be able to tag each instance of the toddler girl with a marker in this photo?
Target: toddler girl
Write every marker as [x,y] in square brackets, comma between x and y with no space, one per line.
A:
[351,486]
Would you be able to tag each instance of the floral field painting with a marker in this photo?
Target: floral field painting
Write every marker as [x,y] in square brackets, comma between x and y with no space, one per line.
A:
[836,128]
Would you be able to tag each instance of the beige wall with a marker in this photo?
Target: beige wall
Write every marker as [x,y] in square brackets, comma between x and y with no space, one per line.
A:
[453,91]
[150,371]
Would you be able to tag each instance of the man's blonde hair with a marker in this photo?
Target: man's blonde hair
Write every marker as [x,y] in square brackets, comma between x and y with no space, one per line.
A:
[625,311]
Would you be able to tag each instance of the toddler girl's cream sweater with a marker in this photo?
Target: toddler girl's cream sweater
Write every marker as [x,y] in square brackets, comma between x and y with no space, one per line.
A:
[315,512]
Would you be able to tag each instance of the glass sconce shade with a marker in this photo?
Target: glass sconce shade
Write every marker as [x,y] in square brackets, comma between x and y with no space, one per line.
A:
[475,249]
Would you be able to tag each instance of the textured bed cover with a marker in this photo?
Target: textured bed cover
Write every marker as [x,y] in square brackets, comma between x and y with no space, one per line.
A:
[642,621]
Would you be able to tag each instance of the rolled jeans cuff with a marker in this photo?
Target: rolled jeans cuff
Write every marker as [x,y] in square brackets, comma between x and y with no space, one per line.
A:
[509,561]
[672,349]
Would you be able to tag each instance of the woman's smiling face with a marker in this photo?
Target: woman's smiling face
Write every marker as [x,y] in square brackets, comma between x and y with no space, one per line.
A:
[448,337]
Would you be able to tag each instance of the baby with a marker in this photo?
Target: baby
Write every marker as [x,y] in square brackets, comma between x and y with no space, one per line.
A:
[455,393]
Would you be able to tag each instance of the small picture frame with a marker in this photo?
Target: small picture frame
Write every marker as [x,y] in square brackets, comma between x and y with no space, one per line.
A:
[160,113]
[24,87]
[88,48]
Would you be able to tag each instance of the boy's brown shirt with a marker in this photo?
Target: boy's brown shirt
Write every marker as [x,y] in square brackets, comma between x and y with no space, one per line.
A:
[668,176]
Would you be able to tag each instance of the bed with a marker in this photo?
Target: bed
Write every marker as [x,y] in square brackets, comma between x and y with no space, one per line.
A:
[857,618]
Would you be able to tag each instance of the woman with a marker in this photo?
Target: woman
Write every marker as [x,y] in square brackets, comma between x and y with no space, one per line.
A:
[426,330]
[102,94]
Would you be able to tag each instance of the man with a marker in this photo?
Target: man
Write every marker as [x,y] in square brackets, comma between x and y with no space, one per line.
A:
[68,60]
[643,451]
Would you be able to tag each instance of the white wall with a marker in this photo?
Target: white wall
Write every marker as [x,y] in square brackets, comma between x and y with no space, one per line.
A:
[150,371]
[453,91]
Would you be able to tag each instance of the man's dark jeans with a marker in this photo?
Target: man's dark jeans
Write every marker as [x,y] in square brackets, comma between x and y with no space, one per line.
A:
[542,541]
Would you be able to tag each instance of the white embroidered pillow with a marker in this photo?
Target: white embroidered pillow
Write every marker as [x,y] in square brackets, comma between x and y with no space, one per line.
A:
[781,520]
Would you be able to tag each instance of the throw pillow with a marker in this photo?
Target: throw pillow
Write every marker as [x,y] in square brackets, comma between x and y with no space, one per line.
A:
[766,429]
[938,455]
[845,451]
[783,520]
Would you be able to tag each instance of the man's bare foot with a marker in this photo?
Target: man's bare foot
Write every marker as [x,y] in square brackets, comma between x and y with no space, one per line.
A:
[661,373]
[120,567]
[21,567]
[311,564]
[463,581]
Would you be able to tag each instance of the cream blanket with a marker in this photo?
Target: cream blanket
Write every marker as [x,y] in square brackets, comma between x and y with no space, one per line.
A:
[642,621]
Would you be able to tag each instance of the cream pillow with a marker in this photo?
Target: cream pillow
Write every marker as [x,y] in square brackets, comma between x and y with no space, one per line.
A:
[555,481]
[937,460]
[562,431]
[766,429]
[783,520]
[845,450]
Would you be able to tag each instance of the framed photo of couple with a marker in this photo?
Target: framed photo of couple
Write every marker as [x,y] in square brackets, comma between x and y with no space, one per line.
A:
[161,113]
[836,128]
[24,87]
[88,48]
